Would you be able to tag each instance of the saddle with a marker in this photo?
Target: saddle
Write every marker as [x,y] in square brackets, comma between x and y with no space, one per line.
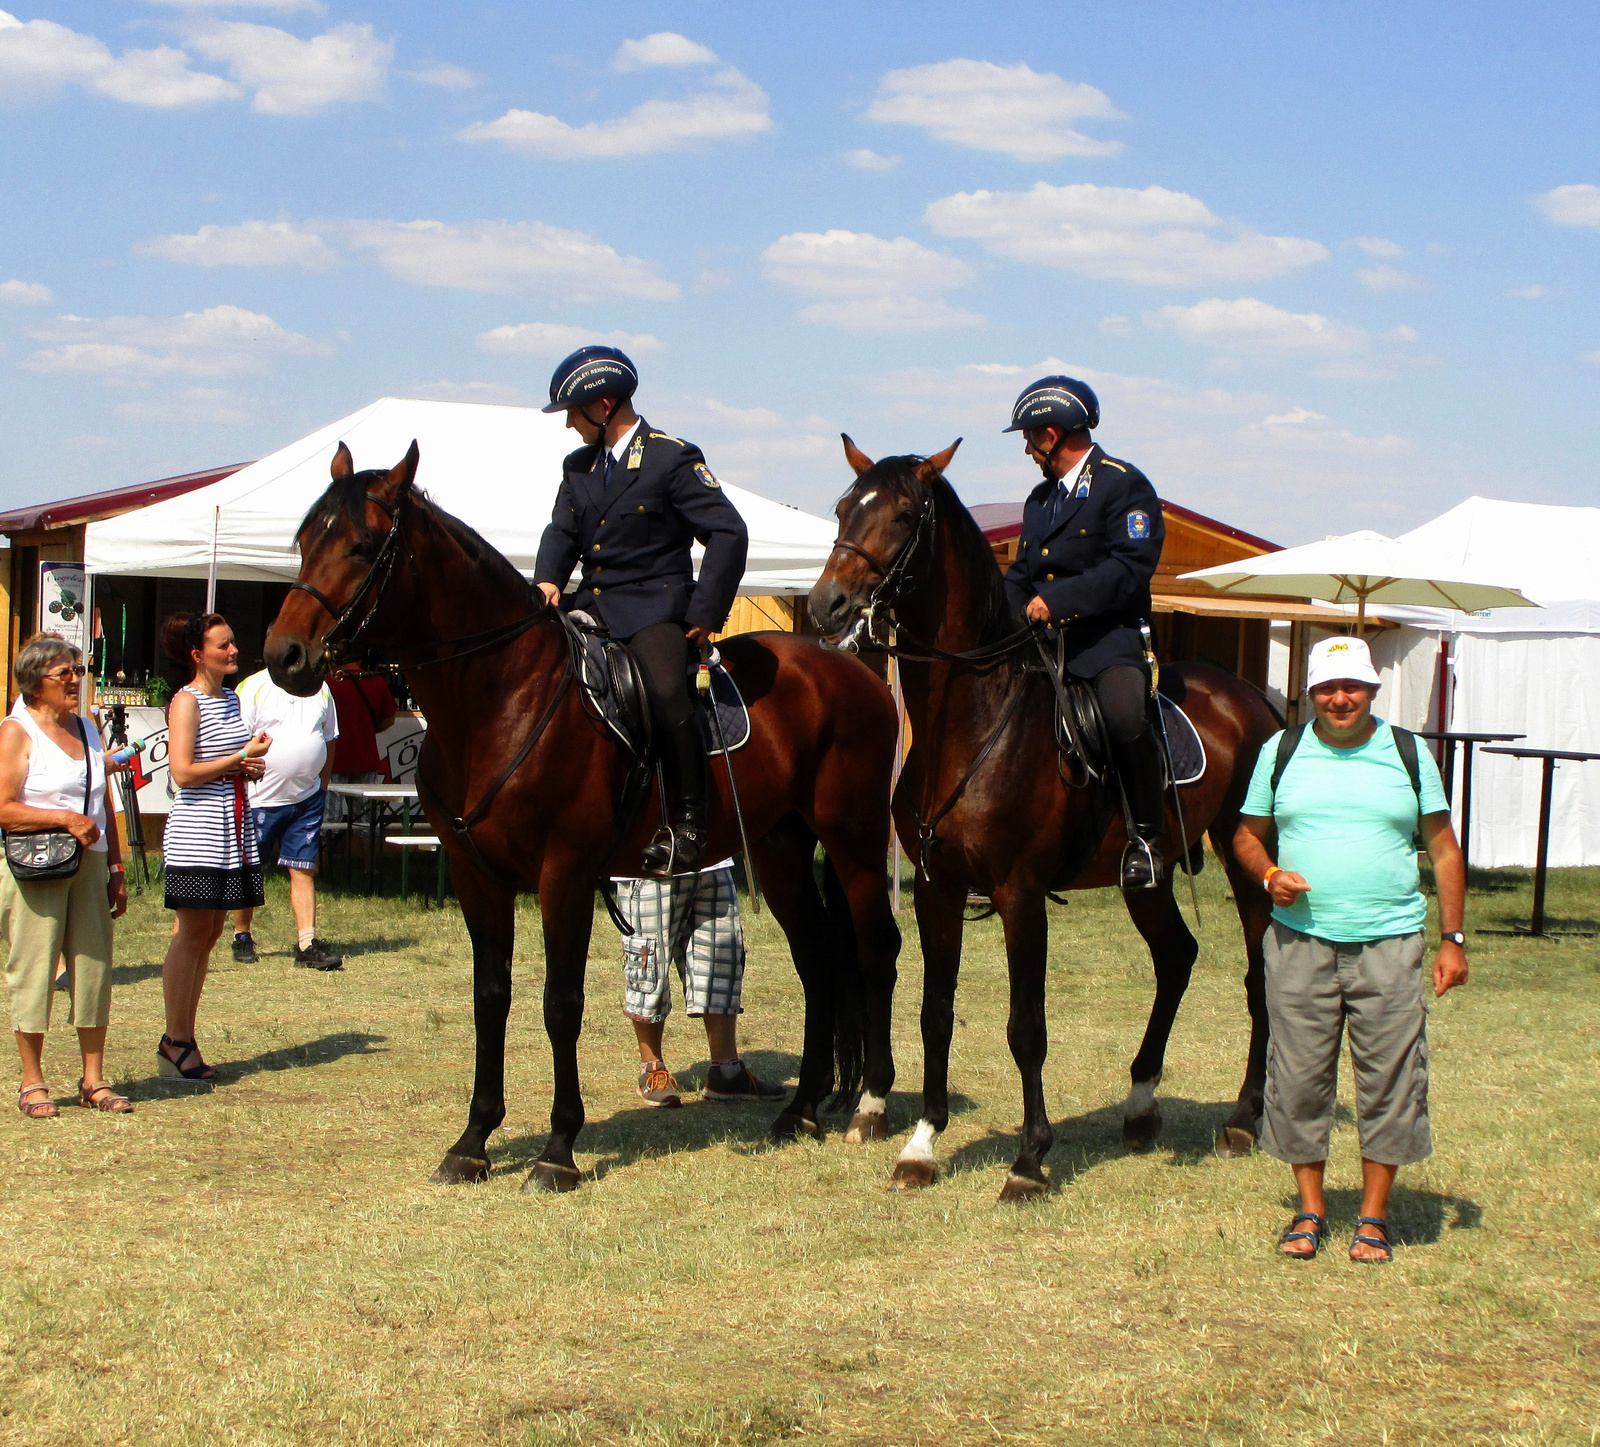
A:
[613,690]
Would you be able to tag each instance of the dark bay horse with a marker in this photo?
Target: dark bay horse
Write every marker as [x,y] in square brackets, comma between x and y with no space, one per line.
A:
[522,783]
[984,752]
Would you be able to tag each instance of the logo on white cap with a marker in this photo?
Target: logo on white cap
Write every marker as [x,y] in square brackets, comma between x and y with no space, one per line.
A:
[1335,658]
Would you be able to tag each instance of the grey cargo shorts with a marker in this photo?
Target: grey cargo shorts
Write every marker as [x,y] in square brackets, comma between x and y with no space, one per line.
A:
[1314,987]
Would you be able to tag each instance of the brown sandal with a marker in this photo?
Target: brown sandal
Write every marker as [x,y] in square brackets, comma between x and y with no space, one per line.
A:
[45,1109]
[111,1101]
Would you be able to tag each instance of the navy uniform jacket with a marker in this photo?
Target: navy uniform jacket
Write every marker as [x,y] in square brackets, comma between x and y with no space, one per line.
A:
[633,536]
[1092,563]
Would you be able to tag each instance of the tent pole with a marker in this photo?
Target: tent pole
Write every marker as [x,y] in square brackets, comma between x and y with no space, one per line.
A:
[211,572]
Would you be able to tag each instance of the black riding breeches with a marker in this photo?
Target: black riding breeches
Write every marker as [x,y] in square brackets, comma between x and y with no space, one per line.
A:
[1123,691]
[663,654]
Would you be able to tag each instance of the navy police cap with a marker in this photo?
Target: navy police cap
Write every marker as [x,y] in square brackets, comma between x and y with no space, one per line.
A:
[591,373]
[1062,402]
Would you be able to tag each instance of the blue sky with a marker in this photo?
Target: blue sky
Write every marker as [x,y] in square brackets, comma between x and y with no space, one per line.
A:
[1328,267]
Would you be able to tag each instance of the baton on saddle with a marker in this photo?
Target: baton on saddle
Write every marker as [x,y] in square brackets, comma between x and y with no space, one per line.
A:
[702,682]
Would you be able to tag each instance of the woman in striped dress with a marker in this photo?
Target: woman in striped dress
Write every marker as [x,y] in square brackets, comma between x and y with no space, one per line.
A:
[213,864]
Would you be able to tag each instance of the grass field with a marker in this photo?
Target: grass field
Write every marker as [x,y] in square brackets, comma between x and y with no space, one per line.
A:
[265,1262]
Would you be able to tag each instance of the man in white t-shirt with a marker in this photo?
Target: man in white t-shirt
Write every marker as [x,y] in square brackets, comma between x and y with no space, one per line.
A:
[287,804]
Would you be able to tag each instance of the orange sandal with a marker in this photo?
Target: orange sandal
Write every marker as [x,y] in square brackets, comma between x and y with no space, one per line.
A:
[45,1109]
[91,1097]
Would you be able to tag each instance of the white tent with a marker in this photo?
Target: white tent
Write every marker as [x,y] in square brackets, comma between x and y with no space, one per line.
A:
[1526,671]
[496,468]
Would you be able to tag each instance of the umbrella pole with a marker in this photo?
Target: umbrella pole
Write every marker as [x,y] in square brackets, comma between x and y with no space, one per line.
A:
[1361,614]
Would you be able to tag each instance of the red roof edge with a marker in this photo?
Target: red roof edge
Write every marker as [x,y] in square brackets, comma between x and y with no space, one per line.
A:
[94,505]
[1002,521]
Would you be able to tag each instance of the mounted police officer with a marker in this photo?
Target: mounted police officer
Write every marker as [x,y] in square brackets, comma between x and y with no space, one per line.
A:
[631,503]
[1091,539]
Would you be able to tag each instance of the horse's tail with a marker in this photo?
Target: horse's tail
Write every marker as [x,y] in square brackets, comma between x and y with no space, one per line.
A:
[849,1031]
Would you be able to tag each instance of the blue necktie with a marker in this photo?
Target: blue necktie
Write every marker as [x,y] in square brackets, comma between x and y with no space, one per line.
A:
[605,472]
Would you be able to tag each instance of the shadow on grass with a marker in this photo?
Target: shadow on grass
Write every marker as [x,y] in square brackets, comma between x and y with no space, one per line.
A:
[1416,1218]
[122,975]
[321,1051]
[1188,1133]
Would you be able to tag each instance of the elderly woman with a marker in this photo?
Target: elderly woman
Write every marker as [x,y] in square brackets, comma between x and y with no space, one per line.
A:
[1342,804]
[49,759]
[209,849]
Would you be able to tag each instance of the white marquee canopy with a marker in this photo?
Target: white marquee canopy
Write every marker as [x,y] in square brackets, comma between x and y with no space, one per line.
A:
[496,468]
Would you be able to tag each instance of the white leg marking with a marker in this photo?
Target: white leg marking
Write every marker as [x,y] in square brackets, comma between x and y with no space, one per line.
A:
[920,1146]
[1141,1099]
[871,1104]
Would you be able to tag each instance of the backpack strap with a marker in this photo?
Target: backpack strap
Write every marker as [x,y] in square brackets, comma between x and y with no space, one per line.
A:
[1288,742]
[1405,744]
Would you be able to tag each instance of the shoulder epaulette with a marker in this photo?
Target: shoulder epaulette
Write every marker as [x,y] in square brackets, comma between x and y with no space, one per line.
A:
[668,437]
[1112,462]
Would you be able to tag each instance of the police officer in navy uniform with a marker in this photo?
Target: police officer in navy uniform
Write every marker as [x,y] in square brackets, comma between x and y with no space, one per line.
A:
[631,503]
[1091,539]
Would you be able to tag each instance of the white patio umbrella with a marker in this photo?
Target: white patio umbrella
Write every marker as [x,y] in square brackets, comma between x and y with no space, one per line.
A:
[1362,568]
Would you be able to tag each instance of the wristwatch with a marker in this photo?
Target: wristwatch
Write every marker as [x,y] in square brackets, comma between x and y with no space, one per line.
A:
[1453,937]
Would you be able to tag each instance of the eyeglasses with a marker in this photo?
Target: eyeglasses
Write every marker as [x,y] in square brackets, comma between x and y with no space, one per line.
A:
[75,670]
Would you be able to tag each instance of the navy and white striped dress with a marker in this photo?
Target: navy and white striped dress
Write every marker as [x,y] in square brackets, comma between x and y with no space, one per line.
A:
[209,848]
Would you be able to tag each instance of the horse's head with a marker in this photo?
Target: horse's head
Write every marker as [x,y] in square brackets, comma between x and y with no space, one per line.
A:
[349,544]
[883,519]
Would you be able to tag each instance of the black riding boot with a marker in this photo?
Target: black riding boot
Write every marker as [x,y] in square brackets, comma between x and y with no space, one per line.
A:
[678,849]
[1143,777]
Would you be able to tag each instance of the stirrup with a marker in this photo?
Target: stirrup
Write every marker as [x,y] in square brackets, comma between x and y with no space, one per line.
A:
[1141,865]
[683,845]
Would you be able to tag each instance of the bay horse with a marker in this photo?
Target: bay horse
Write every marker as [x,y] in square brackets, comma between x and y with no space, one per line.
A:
[522,783]
[985,803]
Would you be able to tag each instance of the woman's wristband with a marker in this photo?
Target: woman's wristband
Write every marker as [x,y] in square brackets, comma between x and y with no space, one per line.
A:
[115,868]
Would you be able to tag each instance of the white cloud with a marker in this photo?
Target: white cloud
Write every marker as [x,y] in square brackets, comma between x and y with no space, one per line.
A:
[1378,246]
[39,58]
[665,47]
[251,243]
[865,160]
[553,339]
[1530,293]
[1390,278]
[1248,326]
[1301,430]
[508,257]
[1571,205]
[1012,109]
[1153,237]
[25,293]
[281,7]
[1590,359]
[220,341]
[191,406]
[443,75]
[294,77]
[871,284]
[732,109]
[1115,326]
[496,394]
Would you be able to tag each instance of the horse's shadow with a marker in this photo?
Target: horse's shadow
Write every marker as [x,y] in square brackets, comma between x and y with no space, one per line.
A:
[321,1051]
[1416,1218]
[1188,1134]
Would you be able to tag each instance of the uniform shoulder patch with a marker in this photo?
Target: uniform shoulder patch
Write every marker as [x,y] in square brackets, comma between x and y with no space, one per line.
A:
[668,437]
[1112,462]
[704,474]
[1138,524]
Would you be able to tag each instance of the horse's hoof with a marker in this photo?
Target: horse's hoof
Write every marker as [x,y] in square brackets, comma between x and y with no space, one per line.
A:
[548,1176]
[1234,1142]
[457,1170]
[912,1175]
[1140,1132]
[1018,1189]
[788,1127]
[867,1126]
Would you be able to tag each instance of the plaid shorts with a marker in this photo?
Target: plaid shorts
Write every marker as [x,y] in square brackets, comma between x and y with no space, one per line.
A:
[707,952]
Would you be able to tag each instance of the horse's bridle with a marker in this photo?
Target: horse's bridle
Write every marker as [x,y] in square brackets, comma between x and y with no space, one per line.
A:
[379,575]
[883,597]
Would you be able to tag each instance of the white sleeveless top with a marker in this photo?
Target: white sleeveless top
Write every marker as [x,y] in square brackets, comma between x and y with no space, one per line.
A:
[55,779]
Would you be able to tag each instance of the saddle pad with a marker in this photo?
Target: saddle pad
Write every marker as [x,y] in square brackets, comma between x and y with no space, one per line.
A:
[1183,742]
[732,714]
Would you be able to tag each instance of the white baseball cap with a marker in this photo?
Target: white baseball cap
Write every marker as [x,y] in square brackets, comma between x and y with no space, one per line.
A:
[1341,658]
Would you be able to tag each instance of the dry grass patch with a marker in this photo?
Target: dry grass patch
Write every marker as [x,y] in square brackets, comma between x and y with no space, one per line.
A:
[264,1262]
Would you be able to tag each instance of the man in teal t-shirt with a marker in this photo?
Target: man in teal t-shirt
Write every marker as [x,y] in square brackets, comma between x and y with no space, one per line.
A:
[1346,939]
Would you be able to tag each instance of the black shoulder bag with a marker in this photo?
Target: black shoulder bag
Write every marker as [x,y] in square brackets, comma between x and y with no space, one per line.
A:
[51,853]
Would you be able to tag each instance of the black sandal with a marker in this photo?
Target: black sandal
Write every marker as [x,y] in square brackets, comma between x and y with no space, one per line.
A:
[1314,1237]
[1382,1243]
[173,1068]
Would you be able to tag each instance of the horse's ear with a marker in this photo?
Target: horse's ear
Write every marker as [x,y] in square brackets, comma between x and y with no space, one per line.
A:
[934,466]
[857,459]
[343,463]
[404,472]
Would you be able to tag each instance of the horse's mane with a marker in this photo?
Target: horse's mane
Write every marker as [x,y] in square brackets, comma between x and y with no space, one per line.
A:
[993,617]
[348,495]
